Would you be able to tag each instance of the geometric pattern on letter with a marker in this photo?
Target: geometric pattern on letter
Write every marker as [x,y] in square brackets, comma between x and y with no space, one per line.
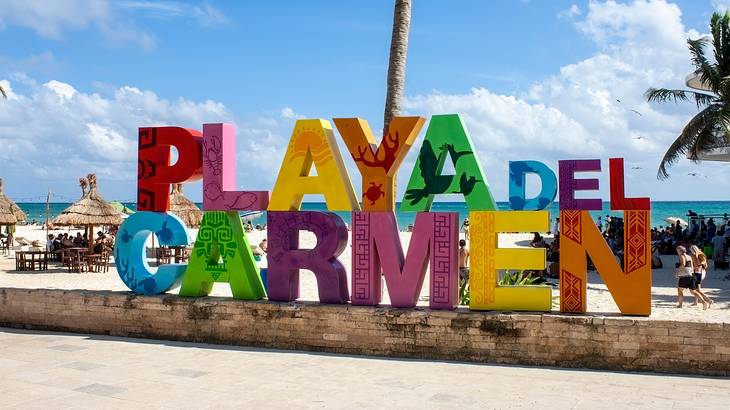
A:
[570,225]
[361,255]
[636,240]
[441,259]
[571,298]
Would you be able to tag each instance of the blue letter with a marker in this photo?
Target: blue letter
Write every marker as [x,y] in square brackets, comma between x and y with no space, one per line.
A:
[517,171]
[130,252]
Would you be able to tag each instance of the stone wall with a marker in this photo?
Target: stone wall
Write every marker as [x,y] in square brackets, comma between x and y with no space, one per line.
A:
[618,343]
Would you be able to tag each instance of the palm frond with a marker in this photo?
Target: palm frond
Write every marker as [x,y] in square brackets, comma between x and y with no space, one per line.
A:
[707,70]
[701,129]
[720,30]
[3,92]
[662,95]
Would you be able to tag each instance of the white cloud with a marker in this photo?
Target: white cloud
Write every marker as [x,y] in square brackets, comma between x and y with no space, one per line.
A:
[569,13]
[115,21]
[57,133]
[593,108]
[54,133]
[52,18]
[204,13]
[289,114]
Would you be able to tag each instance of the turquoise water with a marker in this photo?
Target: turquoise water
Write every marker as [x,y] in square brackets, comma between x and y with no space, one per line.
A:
[660,210]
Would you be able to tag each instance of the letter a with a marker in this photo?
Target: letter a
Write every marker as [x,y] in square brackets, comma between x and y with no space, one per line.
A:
[313,142]
[447,137]
[222,254]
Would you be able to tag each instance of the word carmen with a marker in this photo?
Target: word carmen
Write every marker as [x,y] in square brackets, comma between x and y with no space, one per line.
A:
[222,253]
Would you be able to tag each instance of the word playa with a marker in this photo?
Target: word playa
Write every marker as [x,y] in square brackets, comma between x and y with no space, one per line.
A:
[221,252]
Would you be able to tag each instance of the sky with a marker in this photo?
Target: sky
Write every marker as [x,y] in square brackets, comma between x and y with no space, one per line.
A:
[533,79]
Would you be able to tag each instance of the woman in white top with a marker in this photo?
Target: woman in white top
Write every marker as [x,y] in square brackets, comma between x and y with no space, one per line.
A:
[685,277]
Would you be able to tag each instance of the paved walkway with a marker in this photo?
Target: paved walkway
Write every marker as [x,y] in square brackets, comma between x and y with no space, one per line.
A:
[58,370]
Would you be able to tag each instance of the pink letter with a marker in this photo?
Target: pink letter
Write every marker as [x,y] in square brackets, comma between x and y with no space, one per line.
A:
[219,173]
[376,243]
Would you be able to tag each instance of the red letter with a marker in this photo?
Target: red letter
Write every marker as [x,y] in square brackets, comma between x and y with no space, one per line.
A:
[618,195]
[155,173]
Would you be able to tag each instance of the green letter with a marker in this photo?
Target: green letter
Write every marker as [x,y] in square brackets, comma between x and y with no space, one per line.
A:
[447,136]
[222,254]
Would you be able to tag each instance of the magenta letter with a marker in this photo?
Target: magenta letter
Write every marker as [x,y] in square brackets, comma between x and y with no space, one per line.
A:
[376,243]
[568,184]
[285,258]
[219,173]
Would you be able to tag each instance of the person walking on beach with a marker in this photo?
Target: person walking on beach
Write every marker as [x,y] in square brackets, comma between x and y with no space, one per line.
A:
[718,249]
[463,261]
[699,260]
[711,230]
[685,277]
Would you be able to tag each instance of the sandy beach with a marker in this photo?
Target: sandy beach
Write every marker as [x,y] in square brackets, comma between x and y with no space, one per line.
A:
[599,299]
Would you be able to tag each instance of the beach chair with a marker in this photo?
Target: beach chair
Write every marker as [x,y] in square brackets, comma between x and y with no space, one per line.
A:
[21,241]
[99,262]
[20,264]
[77,262]
[4,246]
[164,256]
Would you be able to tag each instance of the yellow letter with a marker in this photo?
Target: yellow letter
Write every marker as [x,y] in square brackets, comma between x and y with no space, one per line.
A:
[313,142]
[487,258]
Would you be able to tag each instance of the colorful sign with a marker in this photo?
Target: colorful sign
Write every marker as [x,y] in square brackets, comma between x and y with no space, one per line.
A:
[221,252]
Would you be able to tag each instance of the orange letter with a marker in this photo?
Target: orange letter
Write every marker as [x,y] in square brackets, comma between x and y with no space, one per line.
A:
[630,287]
[379,164]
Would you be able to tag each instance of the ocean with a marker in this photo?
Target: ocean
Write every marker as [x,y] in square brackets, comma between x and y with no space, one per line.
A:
[660,210]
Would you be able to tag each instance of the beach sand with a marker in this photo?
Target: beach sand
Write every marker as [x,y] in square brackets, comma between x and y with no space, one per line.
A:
[599,299]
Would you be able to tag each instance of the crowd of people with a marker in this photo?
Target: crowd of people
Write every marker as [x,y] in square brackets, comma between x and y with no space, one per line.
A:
[104,242]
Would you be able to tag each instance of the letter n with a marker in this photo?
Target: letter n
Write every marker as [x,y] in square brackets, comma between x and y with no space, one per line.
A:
[630,287]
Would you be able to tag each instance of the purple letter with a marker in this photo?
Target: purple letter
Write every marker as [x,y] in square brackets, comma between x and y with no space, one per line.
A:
[219,173]
[376,243]
[285,258]
[568,184]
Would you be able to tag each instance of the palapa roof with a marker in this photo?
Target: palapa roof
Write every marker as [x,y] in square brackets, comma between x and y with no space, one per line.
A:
[7,217]
[184,208]
[7,204]
[91,209]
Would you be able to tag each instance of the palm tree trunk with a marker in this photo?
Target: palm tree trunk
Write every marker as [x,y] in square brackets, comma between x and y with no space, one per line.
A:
[397,61]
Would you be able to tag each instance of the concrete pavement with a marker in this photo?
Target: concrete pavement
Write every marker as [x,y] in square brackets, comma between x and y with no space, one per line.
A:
[58,370]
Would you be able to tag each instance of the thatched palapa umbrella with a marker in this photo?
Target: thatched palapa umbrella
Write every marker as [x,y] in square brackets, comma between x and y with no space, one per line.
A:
[7,217]
[7,206]
[184,208]
[90,210]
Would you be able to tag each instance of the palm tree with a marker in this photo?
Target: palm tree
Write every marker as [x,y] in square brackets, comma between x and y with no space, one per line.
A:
[397,61]
[709,128]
